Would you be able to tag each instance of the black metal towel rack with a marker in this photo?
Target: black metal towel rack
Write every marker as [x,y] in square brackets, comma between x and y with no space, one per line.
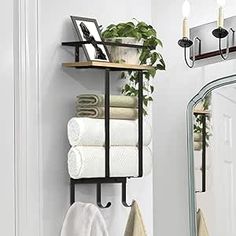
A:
[108,179]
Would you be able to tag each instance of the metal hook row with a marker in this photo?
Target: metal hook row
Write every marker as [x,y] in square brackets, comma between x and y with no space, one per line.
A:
[99,196]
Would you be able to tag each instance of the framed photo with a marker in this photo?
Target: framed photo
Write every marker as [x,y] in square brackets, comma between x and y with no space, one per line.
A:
[88,30]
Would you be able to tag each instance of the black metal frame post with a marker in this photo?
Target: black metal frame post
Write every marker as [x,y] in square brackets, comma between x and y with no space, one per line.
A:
[140,125]
[72,191]
[203,153]
[77,54]
[107,123]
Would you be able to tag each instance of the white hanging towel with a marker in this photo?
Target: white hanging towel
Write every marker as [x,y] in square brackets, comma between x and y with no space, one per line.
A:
[89,162]
[84,219]
[91,132]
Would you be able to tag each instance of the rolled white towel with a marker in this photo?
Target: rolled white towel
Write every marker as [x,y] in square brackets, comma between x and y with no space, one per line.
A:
[89,162]
[197,146]
[198,161]
[91,132]
[198,180]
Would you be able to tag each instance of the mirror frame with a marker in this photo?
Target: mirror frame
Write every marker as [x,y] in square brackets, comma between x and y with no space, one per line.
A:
[190,152]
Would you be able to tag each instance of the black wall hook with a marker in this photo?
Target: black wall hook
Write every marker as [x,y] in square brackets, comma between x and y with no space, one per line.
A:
[99,197]
[124,195]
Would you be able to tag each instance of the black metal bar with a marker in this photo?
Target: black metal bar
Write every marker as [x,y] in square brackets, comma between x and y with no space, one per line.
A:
[124,194]
[77,53]
[203,153]
[110,180]
[80,43]
[72,191]
[140,125]
[107,123]
[99,197]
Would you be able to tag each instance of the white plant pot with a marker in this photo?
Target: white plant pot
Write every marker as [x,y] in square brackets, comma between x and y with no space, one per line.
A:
[124,54]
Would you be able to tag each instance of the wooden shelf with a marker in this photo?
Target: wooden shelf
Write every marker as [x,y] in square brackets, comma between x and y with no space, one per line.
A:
[106,65]
[200,112]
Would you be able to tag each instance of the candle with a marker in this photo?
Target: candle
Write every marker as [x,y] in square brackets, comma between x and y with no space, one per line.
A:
[186,11]
[220,22]
[185,28]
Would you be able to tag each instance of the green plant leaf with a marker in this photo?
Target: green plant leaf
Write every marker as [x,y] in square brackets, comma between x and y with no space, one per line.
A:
[160,67]
[159,42]
[152,88]
[145,102]
[163,63]
[154,57]
[152,72]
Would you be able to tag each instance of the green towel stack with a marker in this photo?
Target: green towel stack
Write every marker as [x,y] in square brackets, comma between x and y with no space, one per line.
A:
[121,107]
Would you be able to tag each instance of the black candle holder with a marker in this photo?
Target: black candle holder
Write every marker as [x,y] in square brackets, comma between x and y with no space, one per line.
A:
[188,43]
[185,42]
[220,33]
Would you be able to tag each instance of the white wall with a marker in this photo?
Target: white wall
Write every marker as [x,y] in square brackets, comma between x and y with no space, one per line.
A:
[7,213]
[175,88]
[58,89]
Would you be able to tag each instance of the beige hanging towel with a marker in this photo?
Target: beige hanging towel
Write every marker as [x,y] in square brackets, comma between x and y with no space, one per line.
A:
[201,224]
[135,225]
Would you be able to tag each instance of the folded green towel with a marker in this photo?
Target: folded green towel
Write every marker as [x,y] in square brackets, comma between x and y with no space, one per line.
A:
[88,100]
[115,113]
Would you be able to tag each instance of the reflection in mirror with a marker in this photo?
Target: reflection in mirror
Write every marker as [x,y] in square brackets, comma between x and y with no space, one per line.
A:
[214,144]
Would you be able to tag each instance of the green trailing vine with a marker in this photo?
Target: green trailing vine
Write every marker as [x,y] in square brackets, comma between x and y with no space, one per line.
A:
[148,55]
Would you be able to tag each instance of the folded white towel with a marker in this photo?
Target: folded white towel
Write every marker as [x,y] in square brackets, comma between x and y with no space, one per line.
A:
[91,132]
[84,219]
[89,162]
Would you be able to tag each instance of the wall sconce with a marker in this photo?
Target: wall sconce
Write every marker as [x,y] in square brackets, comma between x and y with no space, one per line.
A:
[200,34]
[220,32]
[186,42]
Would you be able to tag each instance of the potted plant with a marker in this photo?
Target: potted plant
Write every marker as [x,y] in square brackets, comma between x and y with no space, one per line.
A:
[136,33]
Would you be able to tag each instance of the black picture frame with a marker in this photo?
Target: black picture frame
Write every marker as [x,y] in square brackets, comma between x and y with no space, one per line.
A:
[87,29]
